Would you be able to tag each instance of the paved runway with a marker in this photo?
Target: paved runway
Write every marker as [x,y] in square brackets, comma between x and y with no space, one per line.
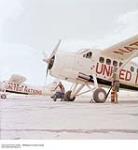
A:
[41,118]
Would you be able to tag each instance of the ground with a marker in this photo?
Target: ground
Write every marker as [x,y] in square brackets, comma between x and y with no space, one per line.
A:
[41,118]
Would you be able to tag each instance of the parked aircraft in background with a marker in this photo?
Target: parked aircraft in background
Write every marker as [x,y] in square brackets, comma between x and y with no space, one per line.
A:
[16,84]
[94,68]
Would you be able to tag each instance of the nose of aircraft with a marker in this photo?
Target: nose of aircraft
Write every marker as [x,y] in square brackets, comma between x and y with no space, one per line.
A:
[50,60]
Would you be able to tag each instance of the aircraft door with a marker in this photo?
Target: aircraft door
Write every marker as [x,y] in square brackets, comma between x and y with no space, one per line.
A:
[85,63]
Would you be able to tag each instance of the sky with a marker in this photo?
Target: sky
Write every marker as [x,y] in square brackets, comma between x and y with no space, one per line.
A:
[30,27]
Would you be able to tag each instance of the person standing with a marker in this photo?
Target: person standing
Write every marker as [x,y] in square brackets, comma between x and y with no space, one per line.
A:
[115,86]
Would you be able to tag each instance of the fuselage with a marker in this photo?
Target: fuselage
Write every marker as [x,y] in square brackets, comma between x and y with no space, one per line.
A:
[12,87]
[80,66]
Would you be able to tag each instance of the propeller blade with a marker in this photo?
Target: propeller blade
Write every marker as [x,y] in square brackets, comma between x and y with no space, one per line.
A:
[45,59]
[49,59]
[55,49]
[46,72]
[46,75]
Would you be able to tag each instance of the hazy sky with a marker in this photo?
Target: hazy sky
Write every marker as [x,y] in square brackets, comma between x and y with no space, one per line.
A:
[29,27]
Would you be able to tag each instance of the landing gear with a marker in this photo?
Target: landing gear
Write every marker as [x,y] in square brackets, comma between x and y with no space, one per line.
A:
[67,97]
[73,92]
[99,95]
[3,96]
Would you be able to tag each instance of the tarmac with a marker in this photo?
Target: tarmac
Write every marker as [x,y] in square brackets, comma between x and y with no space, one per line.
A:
[28,117]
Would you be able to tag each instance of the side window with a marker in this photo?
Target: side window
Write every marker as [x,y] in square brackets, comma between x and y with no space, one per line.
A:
[101,59]
[120,64]
[132,68]
[84,55]
[108,61]
[115,63]
[88,55]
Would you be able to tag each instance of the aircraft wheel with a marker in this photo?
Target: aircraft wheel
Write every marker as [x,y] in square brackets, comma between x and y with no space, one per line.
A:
[99,95]
[3,96]
[54,98]
[67,96]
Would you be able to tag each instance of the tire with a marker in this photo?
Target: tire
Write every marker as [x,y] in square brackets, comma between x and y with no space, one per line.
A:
[67,97]
[99,95]
[3,96]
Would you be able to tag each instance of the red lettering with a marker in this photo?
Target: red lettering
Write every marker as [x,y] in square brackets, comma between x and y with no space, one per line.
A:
[127,49]
[117,52]
[122,74]
[123,50]
[10,86]
[14,87]
[99,69]
[130,49]
[136,81]
[20,89]
[25,89]
[107,70]
[17,87]
[135,43]
[111,71]
[128,76]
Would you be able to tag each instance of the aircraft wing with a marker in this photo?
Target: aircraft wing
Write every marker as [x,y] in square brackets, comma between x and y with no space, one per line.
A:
[18,79]
[124,50]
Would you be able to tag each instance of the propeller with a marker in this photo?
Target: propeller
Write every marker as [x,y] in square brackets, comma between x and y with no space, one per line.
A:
[50,60]
[55,49]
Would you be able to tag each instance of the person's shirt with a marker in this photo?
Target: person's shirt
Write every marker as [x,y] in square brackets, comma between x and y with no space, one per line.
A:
[60,88]
[115,76]
[115,82]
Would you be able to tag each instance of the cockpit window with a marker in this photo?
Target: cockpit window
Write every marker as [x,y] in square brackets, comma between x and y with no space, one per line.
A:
[88,55]
[132,68]
[101,59]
